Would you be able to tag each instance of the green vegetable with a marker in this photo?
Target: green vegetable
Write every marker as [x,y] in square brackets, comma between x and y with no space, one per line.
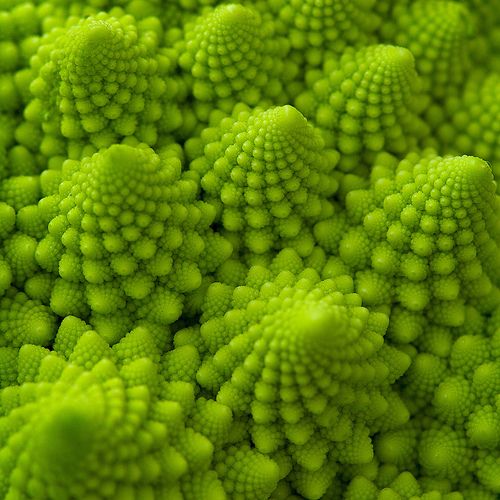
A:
[249,250]
[269,175]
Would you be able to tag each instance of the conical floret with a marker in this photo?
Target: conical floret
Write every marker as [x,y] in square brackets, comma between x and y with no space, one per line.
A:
[465,123]
[439,35]
[72,424]
[124,215]
[234,56]
[269,172]
[366,101]
[319,30]
[304,361]
[425,235]
[99,80]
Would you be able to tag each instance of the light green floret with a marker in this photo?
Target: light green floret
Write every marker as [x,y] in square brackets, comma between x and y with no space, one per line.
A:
[452,393]
[9,94]
[483,426]
[7,219]
[234,56]
[398,447]
[99,80]
[270,176]
[130,239]
[486,375]
[8,362]
[29,359]
[32,220]
[453,400]
[77,342]
[438,33]
[405,486]
[248,475]
[57,11]
[365,101]
[186,8]
[8,122]
[424,237]
[19,252]
[102,432]
[323,29]
[200,437]
[25,321]
[488,470]
[23,22]
[468,123]
[486,42]
[5,275]
[465,408]
[7,223]
[443,453]
[300,356]
[288,297]
[20,191]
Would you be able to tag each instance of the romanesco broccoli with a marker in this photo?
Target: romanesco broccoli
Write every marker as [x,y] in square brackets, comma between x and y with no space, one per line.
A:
[249,250]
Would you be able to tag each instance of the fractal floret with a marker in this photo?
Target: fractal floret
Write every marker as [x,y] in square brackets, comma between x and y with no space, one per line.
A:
[128,239]
[25,321]
[391,485]
[365,101]
[269,173]
[321,29]
[454,384]
[99,80]
[424,237]
[298,354]
[468,123]
[94,421]
[249,250]
[234,56]
[439,36]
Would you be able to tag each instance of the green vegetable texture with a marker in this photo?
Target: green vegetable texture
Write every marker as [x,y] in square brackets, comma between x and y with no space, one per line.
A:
[249,250]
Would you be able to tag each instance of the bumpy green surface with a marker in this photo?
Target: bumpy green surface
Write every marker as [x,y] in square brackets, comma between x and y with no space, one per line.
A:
[304,361]
[365,101]
[469,122]
[320,29]
[423,238]
[270,174]
[249,250]
[98,80]
[438,34]
[129,238]
[233,56]
[98,421]
[403,486]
